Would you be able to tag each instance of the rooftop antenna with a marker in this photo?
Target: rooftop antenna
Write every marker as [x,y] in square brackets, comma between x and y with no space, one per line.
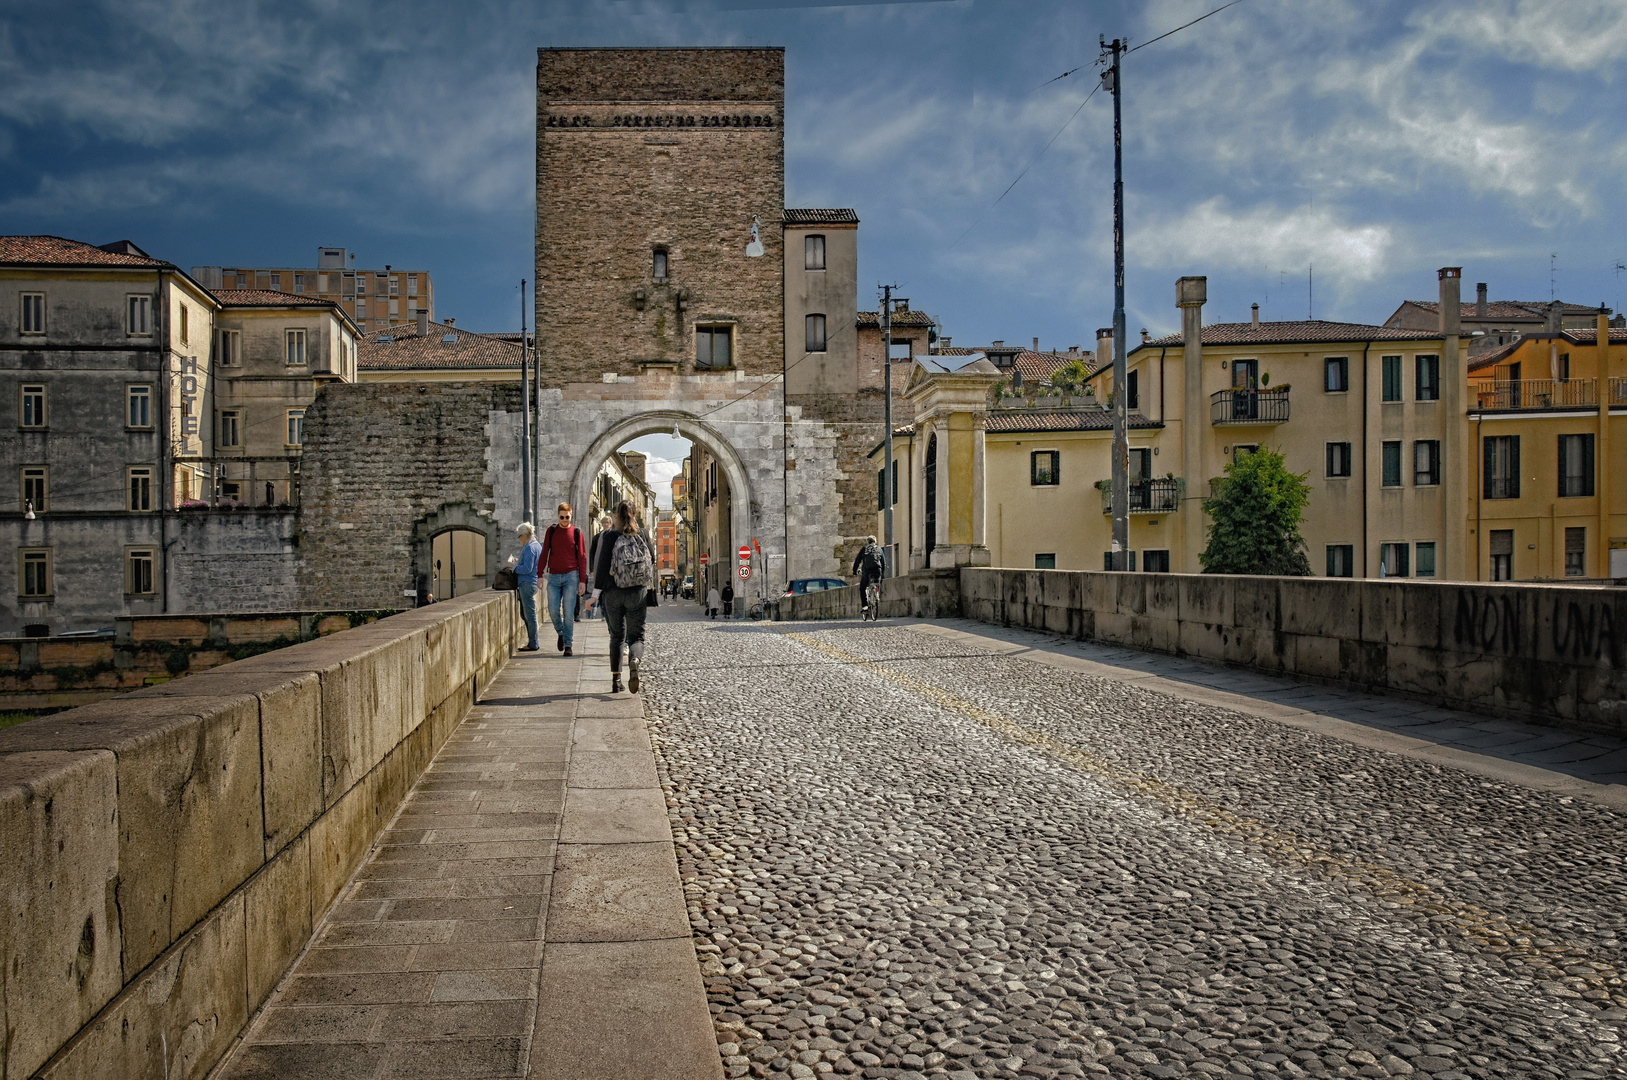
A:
[1553,259]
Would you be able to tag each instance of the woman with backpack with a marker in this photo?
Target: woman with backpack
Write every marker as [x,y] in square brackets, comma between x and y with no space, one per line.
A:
[623,578]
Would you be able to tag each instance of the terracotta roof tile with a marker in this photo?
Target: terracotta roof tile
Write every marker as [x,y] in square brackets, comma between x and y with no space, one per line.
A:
[1060,420]
[871,320]
[821,217]
[57,251]
[401,348]
[267,298]
[1492,357]
[1034,365]
[1504,309]
[1304,331]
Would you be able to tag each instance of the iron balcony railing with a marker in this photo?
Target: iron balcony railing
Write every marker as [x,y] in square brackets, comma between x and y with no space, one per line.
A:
[1147,496]
[1618,393]
[1538,394]
[1249,407]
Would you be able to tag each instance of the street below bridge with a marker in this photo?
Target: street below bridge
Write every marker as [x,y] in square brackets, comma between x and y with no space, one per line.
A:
[917,850]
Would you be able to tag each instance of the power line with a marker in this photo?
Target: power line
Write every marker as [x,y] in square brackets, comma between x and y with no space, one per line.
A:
[1183,26]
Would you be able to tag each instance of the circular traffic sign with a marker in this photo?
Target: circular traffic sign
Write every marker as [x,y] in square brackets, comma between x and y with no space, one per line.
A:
[745,571]
[744,552]
[703,560]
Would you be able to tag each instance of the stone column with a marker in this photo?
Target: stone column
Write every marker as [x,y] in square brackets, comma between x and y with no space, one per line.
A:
[1190,295]
[953,402]
[980,517]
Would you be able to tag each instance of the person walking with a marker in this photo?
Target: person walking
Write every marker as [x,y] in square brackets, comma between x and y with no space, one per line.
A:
[525,570]
[565,561]
[728,599]
[713,602]
[605,535]
[623,578]
[870,565]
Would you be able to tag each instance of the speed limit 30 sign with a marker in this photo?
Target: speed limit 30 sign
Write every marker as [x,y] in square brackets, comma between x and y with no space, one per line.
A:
[745,571]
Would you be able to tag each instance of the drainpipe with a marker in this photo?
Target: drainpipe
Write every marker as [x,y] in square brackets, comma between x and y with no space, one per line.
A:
[165,459]
[1601,471]
[1479,498]
[1366,397]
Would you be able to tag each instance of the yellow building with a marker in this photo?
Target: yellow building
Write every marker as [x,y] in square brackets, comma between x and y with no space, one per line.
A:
[1549,415]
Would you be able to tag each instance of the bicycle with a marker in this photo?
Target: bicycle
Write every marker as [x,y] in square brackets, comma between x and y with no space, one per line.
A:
[872,603]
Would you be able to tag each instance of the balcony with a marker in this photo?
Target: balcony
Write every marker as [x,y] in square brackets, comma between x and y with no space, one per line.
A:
[1146,496]
[1618,393]
[1249,407]
[1536,395]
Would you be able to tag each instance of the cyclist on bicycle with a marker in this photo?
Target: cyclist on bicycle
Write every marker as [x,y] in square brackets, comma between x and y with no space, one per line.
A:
[870,565]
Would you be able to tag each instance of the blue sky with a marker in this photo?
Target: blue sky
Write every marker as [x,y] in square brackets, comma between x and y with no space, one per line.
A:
[1375,140]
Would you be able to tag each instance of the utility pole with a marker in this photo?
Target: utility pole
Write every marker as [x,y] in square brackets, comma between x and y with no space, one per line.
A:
[1121,378]
[536,409]
[525,420]
[887,460]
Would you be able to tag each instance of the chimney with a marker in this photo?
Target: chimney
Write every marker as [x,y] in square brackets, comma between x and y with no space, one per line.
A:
[997,344]
[1451,300]
[1073,350]
[423,323]
[1555,317]
[1480,300]
[1036,344]
[943,343]
[1256,322]
[451,323]
[1145,337]
[1104,344]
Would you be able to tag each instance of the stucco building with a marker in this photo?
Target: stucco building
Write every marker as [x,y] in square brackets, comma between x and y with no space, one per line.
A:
[374,299]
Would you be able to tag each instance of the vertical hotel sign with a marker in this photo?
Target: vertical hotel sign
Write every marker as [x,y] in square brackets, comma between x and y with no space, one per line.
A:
[188,426]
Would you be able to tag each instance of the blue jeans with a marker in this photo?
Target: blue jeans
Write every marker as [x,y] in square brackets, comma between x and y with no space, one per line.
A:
[562,603]
[528,609]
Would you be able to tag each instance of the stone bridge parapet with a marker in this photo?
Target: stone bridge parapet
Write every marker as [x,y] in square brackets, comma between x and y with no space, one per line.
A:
[166,854]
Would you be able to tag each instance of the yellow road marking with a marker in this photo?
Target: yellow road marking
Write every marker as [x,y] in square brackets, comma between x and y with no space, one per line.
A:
[1565,967]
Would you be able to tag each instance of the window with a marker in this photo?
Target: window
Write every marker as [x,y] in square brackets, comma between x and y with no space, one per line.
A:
[712,348]
[139,314]
[395,308]
[1426,462]
[1129,560]
[813,253]
[1341,560]
[228,347]
[1155,561]
[1502,468]
[1045,468]
[1575,465]
[361,307]
[35,489]
[1564,367]
[1502,554]
[34,573]
[658,264]
[296,427]
[1243,450]
[1424,560]
[31,405]
[1392,464]
[299,283]
[1140,464]
[230,430]
[1392,378]
[140,490]
[1339,459]
[276,282]
[33,320]
[242,281]
[138,412]
[1045,561]
[1336,374]
[1392,560]
[395,286]
[881,488]
[186,323]
[138,572]
[1132,399]
[361,284]
[295,342]
[1576,552]
[412,284]
[1428,371]
[816,333]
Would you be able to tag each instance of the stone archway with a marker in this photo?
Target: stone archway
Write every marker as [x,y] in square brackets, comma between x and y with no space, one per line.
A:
[748,517]
[456,517]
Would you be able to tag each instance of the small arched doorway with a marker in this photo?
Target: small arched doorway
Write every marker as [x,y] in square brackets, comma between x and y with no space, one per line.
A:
[931,485]
[457,561]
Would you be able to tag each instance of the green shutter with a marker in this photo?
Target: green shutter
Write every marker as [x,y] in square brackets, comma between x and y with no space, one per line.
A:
[1513,466]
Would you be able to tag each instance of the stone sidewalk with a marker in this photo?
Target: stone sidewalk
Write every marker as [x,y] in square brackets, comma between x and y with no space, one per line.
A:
[521,917]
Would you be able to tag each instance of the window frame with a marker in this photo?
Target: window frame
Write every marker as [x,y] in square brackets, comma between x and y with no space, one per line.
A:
[27,473]
[1418,550]
[395,285]
[131,582]
[1055,459]
[296,427]
[299,283]
[228,347]
[1403,552]
[1042,555]
[1580,563]
[713,330]
[1489,454]
[132,474]
[1426,377]
[1586,478]
[41,556]
[134,392]
[815,250]
[1151,555]
[1337,553]
[290,337]
[235,418]
[31,324]
[1342,450]
[1389,380]
[1431,476]
[660,264]
[23,395]
[814,324]
[138,314]
[1132,383]
[186,324]
[1387,448]
[1341,365]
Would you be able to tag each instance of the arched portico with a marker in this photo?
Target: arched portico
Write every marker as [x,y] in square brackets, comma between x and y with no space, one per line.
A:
[748,511]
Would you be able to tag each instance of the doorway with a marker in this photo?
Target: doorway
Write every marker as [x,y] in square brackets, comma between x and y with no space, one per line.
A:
[457,561]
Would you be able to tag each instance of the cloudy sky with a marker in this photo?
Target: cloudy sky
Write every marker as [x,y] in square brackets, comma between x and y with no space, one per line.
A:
[1376,140]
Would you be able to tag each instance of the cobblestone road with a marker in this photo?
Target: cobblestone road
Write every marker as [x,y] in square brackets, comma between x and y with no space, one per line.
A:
[907,857]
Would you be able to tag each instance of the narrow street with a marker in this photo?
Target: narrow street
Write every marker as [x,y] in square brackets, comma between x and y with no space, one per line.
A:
[905,854]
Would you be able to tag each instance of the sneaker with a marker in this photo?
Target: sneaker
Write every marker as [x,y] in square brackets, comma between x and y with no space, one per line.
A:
[615,682]
[560,644]
[529,648]
[567,650]
[632,676]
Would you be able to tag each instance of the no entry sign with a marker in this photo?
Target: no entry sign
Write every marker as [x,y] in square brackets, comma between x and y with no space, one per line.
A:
[703,560]
[744,552]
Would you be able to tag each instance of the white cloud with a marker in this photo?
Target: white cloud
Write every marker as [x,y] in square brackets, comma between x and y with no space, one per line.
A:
[658,473]
[1567,35]
[1262,239]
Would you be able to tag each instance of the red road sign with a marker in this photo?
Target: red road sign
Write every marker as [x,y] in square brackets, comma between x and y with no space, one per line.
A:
[744,552]
[745,571]
[703,560]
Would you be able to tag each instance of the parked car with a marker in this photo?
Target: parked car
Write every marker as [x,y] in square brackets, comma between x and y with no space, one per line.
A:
[689,587]
[804,585]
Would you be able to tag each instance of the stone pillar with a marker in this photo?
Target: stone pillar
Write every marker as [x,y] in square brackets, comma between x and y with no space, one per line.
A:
[1190,295]
[953,403]
[1453,559]
[980,424]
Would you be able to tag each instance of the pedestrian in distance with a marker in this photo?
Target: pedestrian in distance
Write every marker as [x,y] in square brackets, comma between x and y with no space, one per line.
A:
[728,599]
[624,581]
[713,602]
[870,565]
[605,535]
[524,565]
[565,561]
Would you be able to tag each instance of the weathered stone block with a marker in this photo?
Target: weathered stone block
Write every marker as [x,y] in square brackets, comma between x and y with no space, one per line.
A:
[277,914]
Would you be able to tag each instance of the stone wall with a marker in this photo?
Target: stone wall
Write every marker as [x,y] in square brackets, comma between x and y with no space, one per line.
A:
[233,561]
[834,481]
[387,464]
[168,853]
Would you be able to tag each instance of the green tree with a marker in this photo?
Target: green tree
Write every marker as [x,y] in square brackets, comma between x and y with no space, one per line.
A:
[1256,512]
[1070,377]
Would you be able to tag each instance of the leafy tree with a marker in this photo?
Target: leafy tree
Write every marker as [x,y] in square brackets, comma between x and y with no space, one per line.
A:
[1256,512]
[1070,377]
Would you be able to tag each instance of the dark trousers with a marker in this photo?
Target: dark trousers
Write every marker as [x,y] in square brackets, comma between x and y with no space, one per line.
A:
[624,610]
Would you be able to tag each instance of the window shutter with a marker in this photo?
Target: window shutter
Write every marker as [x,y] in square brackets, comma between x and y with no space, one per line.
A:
[1587,465]
[1564,461]
[1489,459]
[1514,466]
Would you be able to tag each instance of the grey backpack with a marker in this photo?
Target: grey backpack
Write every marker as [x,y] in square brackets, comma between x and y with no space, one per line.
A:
[631,563]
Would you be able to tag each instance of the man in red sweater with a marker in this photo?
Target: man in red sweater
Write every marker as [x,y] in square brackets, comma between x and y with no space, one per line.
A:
[564,565]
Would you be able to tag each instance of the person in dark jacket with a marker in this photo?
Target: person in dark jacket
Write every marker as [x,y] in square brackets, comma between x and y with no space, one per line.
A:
[624,606]
[871,565]
[728,599]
